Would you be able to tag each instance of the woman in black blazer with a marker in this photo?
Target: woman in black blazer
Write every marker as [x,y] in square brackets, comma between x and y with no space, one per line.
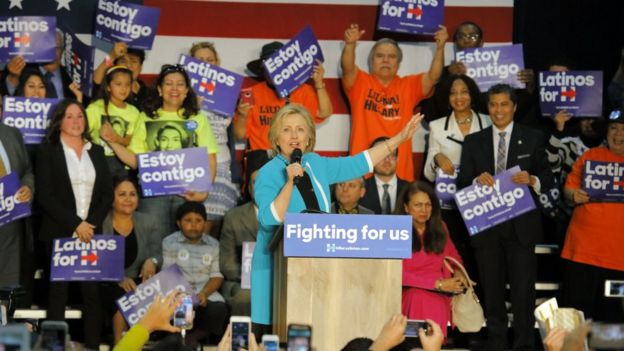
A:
[76,194]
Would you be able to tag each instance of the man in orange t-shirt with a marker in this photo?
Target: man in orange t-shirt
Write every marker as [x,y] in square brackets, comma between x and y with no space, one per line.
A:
[252,119]
[381,101]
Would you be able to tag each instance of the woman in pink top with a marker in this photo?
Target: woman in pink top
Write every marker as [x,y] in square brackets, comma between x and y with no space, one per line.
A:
[427,283]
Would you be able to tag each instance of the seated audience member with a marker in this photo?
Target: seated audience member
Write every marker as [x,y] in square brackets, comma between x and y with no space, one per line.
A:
[143,251]
[157,317]
[427,283]
[383,189]
[381,102]
[74,192]
[252,120]
[616,87]
[347,196]
[240,224]
[593,244]
[197,255]
[15,237]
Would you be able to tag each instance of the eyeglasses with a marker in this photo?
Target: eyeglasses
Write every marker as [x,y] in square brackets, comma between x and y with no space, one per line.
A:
[172,68]
[349,185]
[465,36]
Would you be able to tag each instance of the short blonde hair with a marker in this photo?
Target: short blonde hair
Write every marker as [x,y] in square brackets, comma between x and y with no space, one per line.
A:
[204,45]
[276,122]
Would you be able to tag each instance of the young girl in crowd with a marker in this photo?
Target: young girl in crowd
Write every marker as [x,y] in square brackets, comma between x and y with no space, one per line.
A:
[111,116]
[223,194]
[170,120]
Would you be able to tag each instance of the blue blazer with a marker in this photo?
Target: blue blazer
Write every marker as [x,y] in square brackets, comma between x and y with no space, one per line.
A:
[323,171]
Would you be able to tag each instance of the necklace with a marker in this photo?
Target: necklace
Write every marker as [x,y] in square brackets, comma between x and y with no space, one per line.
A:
[464,121]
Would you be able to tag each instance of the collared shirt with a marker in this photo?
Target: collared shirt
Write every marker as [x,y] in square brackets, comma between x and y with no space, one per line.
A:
[198,262]
[5,158]
[537,186]
[56,80]
[392,190]
[82,177]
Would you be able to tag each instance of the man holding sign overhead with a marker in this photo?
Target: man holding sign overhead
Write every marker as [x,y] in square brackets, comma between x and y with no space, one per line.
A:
[507,249]
[381,101]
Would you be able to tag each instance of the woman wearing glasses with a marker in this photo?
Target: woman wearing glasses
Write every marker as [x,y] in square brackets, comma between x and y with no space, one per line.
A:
[172,102]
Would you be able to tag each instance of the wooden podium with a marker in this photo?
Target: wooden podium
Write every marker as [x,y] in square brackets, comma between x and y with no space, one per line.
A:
[341,298]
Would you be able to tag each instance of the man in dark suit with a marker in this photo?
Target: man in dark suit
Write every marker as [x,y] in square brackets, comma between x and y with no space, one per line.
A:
[508,249]
[14,236]
[347,195]
[384,181]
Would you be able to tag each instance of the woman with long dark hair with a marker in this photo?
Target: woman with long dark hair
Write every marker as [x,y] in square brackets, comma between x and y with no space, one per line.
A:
[427,283]
[173,103]
[74,192]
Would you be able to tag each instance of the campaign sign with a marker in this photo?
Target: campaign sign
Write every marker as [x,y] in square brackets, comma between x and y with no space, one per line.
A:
[292,65]
[348,236]
[248,249]
[119,21]
[604,181]
[78,58]
[549,200]
[409,16]
[445,188]
[483,207]
[32,37]
[174,172]
[134,304]
[577,92]
[30,115]
[10,208]
[101,259]
[493,65]
[218,87]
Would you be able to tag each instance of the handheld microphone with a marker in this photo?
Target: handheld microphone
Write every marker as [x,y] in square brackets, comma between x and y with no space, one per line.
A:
[295,157]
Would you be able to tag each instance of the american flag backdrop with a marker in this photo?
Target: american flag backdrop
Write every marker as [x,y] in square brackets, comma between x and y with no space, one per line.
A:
[239,28]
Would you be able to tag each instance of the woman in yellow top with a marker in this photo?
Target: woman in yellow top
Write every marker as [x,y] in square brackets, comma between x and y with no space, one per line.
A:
[170,120]
[111,117]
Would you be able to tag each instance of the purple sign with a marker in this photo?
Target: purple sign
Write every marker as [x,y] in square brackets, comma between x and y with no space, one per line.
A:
[483,207]
[101,259]
[78,58]
[348,236]
[10,208]
[292,65]
[32,37]
[422,17]
[174,172]
[248,249]
[445,188]
[218,87]
[134,304]
[493,65]
[577,92]
[119,21]
[604,181]
[30,115]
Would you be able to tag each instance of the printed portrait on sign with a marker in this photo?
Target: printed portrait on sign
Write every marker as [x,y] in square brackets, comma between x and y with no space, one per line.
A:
[169,135]
[120,126]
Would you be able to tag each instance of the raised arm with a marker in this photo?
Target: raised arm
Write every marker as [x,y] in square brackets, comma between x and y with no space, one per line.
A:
[347,60]
[381,150]
[325,108]
[437,65]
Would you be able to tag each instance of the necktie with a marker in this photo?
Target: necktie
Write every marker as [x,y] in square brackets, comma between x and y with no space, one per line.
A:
[50,88]
[351,211]
[501,154]
[385,200]
[3,170]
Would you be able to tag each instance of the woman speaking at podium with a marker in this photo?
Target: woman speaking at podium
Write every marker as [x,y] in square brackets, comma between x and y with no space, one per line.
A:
[297,171]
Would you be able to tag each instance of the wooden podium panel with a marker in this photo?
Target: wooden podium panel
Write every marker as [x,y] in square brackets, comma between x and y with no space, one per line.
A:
[340,298]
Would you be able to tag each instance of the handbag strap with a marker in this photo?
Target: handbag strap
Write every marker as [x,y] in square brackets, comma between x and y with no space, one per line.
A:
[459,266]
